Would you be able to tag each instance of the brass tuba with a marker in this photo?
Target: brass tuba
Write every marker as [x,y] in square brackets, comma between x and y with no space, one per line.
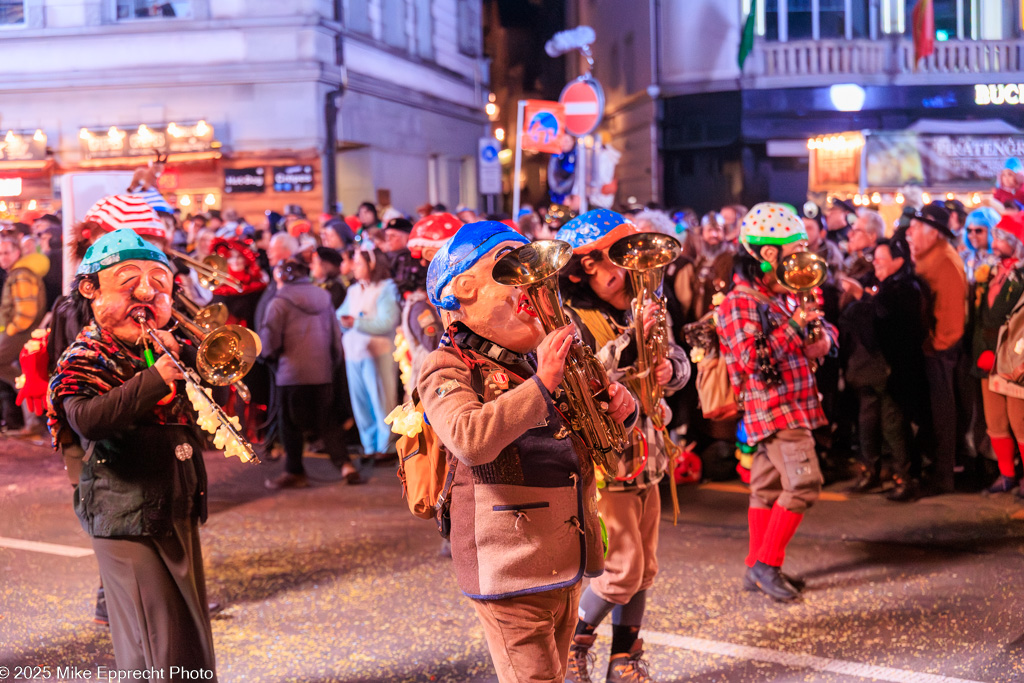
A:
[801,273]
[534,267]
[644,256]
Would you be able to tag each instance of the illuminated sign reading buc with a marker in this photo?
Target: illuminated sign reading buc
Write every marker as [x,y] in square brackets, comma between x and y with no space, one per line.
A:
[1003,93]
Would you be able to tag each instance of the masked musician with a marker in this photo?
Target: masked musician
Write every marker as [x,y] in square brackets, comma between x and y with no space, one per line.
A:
[142,488]
[771,360]
[599,294]
[524,527]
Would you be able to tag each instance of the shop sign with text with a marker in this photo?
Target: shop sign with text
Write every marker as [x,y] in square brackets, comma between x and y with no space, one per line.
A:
[238,180]
[297,178]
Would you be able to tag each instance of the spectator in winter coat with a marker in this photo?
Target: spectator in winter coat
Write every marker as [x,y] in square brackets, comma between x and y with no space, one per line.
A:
[300,333]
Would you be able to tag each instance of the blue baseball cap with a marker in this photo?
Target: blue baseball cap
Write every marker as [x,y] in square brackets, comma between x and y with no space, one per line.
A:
[460,253]
[595,229]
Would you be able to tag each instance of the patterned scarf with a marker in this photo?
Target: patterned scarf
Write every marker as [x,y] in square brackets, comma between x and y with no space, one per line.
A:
[94,364]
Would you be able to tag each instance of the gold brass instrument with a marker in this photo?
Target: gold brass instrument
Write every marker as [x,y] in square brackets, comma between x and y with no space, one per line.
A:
[212,270]
[209,317]
[644,256]
[215,366]
[534,267]
[226,353]
[801,273]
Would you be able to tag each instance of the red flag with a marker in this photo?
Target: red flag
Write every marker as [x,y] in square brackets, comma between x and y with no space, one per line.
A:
[923,20]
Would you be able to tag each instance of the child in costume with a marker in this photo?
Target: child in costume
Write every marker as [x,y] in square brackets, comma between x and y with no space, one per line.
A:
[524,526]
[771,362]
[599,294]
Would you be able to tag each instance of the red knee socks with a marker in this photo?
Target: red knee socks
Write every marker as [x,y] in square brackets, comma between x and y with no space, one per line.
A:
[1004,450]
[781,527]
[757,521]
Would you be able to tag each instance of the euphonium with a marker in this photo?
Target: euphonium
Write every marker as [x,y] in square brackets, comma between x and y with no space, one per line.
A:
[801,273]
[534,268]
[644,256]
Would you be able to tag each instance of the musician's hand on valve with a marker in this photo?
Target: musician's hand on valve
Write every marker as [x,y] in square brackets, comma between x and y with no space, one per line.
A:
[169,342]
[551,355]
[651,311]
[663,373]
[804,317]
[621,405]
[169,372]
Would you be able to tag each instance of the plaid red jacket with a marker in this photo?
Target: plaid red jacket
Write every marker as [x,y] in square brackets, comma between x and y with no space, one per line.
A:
[791,403]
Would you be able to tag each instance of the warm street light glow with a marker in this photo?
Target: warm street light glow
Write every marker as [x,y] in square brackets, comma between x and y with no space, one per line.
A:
[856,200]
[926,198]
[84,134]
[9,137]
[836,143]
[499,134]
[491,109]
[847,96]
[40,136]
[976,198]
[210,200]
[185,200]
[32,205]
[950,195]
[876,198]
[202,129]
[900,198]
[173,130]
[115,134]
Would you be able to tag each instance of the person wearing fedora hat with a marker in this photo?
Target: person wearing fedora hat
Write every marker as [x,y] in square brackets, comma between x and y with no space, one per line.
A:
[937,263]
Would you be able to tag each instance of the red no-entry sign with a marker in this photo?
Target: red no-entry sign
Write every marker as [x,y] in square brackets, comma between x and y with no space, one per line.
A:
[584,106]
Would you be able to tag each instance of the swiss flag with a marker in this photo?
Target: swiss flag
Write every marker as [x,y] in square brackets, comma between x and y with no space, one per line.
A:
[923,20]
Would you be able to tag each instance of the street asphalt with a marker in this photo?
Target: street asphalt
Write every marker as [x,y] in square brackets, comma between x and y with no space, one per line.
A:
[340,583]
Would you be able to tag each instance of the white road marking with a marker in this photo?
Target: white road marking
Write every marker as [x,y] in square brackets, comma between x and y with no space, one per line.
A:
[790,659]
[48,548]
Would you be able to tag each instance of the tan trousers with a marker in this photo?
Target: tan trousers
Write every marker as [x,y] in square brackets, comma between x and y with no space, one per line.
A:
[1004,415]
[785,470]
[528,636]
[631,517]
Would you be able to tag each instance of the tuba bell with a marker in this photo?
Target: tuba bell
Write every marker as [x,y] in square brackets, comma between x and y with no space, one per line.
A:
[534,268]
[801,273]
[644,256]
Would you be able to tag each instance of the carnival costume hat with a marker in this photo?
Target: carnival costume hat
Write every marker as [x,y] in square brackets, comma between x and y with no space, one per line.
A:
[155,200]
[432,232]
[1014,164]
[1010,229]
[462,252]
[770,224]
[116,247]
[126,211]
[596,229]
[935,215]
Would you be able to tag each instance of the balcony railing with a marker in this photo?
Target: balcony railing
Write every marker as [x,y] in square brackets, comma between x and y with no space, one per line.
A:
[807,61]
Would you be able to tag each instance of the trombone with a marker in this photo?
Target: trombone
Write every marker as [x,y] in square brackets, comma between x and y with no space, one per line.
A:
[213,365]
[212,270]
[226,352]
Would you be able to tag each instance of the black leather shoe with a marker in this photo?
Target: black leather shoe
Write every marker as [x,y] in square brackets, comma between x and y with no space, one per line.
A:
[904,491]
[1003,484]
[769,580]
[794,581]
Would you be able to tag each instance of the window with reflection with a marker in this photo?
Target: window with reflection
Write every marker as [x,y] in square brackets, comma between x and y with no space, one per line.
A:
[153,9]
[12,12]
